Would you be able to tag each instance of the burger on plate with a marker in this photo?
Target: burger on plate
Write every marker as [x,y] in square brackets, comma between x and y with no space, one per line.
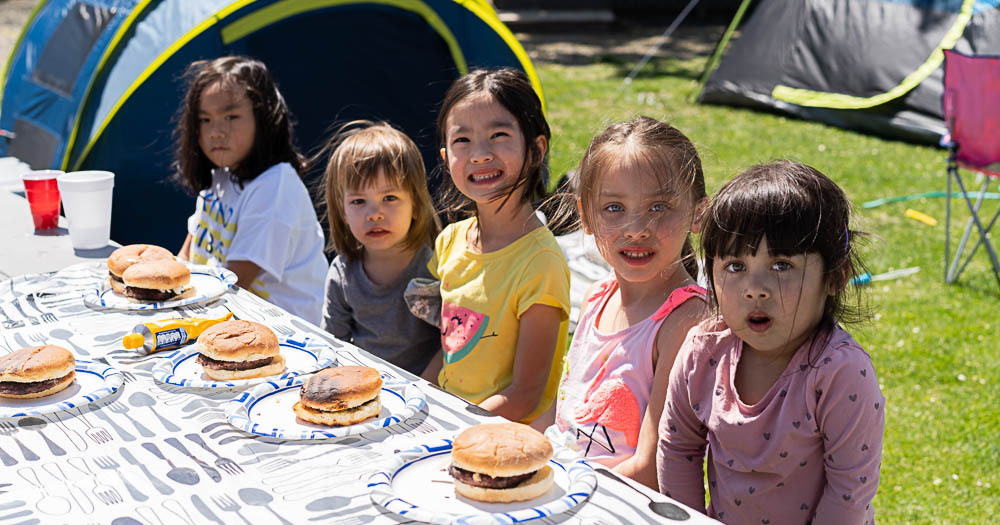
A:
[126,256]
[157,280]
[342,395]
[239,350]
[501,463]
[36,371]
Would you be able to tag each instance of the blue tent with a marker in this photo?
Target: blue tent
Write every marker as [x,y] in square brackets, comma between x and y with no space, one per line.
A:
[96,85]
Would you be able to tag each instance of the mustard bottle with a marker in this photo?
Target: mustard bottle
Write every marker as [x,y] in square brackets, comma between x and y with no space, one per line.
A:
[168,333]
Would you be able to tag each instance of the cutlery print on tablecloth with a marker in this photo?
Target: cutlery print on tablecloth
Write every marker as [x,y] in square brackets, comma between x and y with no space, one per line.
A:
[183,475]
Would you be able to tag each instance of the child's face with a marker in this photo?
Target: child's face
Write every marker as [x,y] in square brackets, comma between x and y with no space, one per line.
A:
[380,215]
[226,125]
[772,302]
[484,148]
[639,229]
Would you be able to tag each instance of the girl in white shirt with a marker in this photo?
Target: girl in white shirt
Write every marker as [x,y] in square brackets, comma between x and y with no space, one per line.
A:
[233,147]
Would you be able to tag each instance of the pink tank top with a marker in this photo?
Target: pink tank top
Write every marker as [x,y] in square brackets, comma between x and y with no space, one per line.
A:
[605,388]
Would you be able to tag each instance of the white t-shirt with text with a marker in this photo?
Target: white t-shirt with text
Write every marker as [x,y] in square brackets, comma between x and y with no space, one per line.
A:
[270,222]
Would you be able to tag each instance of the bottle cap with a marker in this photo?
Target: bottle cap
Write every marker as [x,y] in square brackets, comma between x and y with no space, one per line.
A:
[133,341]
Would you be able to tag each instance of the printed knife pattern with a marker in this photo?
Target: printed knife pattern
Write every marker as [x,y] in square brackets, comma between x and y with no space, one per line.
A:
[158,453]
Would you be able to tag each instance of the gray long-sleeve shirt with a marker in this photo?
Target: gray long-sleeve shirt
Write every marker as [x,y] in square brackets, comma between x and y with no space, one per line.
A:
[375,318]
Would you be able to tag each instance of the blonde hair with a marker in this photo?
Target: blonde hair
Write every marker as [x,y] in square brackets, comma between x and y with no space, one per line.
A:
[649,144]
[359,150]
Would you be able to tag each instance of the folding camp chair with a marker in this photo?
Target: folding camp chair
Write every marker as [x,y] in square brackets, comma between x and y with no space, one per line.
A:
[972,113]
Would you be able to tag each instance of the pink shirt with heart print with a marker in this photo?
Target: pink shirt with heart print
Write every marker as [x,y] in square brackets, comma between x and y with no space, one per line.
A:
[808,452]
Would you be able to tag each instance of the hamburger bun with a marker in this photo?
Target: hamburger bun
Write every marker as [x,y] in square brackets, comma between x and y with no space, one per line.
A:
[342,395]
[161,274]
[36,372]
[341,388]
[237,340]
[126,256]
[484,458]
[235,349]
[339,418]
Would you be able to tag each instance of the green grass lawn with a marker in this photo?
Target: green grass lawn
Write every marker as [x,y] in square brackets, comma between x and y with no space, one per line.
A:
[934,345]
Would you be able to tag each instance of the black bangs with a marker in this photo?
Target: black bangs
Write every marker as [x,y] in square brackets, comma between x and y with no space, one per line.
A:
[800,211]
[795,213]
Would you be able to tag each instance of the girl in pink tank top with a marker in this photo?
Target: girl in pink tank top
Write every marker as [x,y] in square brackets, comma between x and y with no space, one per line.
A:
[641,193]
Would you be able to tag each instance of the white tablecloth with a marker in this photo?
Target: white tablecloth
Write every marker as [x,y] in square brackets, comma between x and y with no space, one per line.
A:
[99,463]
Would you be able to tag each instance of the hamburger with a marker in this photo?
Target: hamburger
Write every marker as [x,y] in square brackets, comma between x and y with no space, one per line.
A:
[157,280]
[239,350]
[342,395]
[126,256]
[36,371]
[501,463]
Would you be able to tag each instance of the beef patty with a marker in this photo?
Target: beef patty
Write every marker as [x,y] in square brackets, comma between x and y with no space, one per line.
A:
[148,294]
[20,389]
[488,482]
[215,364]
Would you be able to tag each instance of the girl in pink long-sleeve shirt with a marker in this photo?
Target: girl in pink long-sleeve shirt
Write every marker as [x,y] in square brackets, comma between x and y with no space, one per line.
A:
[785,401]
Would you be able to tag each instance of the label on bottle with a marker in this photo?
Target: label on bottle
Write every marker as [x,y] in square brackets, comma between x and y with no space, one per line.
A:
[172,337]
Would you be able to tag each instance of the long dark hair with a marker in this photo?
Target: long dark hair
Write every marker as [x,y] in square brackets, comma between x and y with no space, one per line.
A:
[512,89]
[646,144]
[800,211]
[273,139]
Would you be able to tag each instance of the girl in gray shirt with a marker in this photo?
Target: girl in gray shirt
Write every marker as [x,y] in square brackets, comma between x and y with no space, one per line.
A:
[382,224]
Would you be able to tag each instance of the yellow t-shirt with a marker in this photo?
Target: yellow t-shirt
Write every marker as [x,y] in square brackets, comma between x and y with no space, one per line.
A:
[483,296]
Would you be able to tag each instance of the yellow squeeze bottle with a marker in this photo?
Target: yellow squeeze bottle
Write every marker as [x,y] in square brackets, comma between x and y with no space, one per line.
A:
[168,333]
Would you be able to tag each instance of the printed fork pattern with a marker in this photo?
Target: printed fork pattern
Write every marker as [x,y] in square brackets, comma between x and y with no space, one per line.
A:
[30,319]
[228,504]
[106,493]
[47,317]
[98,434]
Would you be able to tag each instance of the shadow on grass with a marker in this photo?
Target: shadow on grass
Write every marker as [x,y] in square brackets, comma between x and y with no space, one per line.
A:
[656,67]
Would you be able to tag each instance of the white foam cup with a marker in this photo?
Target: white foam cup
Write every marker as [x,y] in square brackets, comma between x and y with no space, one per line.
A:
[86,197]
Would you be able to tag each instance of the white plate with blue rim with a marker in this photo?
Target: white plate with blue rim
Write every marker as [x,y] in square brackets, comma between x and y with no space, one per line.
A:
[93,381]
[209,282]
[414,484]
[267,410]
[303,355]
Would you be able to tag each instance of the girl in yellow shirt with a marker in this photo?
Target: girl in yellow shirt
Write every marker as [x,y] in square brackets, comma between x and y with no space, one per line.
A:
[504,279]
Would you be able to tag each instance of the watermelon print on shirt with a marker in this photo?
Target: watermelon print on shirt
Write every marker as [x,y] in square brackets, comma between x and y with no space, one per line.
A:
[483,296]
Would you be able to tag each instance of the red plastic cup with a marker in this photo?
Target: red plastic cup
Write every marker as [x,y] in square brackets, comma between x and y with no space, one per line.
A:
[43,197]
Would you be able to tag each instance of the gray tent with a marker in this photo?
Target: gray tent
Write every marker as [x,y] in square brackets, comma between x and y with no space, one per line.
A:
[870,65]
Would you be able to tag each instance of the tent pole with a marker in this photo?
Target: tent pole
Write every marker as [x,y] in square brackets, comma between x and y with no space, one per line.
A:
[723,42]
[663,38]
